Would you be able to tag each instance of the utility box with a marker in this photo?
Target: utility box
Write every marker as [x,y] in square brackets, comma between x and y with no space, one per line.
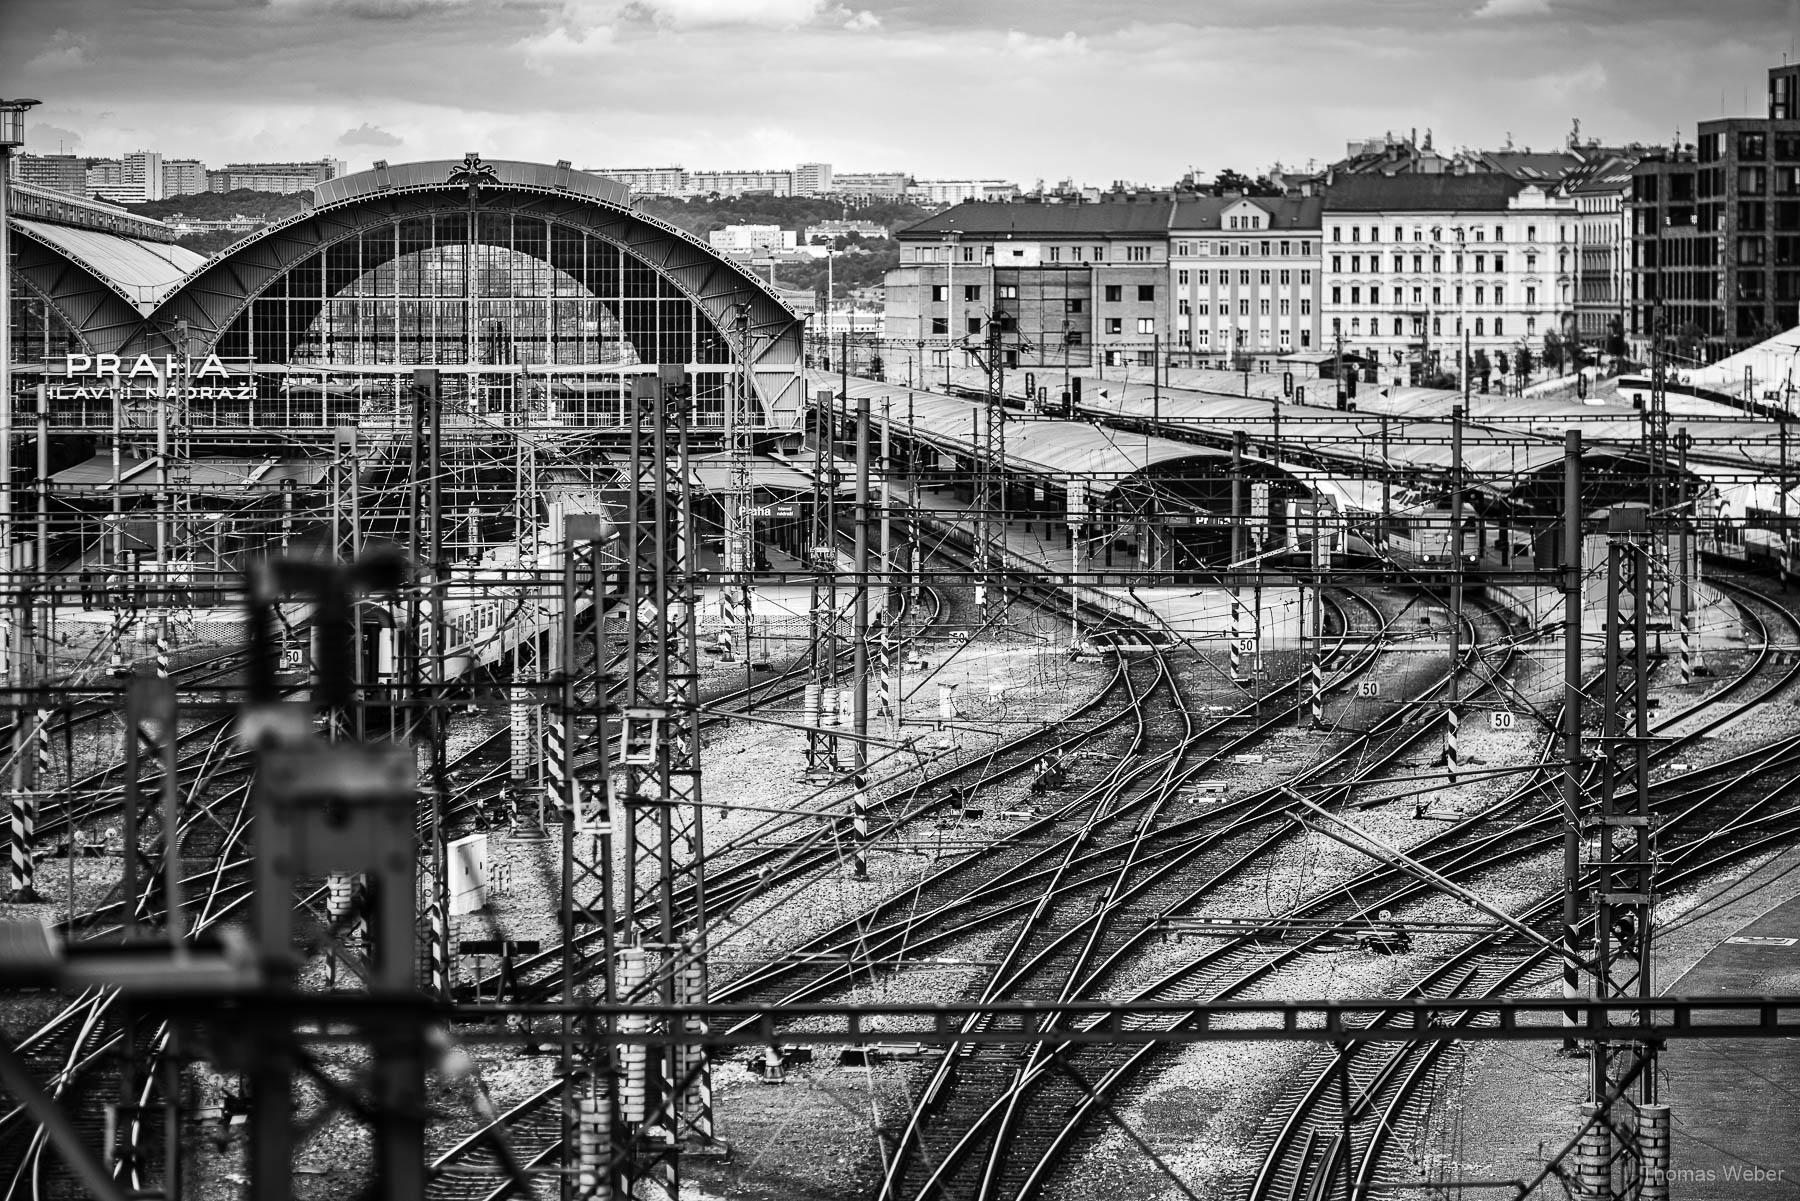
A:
[468,874]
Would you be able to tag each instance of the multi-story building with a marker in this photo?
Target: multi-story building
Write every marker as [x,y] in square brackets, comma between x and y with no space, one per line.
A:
[1715,236]
[143,174]
[747,239]
[871,185]
[1600,189]
[956,191]
[183,176]
[741,183]
[1412,262]
[647,181]
[843,229]
[58,172]
[1069,285]
[1245,277]
[273,177]
[812,179]
[106,179]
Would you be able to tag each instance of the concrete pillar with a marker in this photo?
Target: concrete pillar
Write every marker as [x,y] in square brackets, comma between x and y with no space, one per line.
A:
[1593,1159]
[1653,1145]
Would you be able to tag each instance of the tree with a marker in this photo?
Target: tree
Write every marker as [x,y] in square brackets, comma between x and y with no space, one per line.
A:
[1615,338]
[1500,363]
[1553,351]
[1230,180]
[1483,368]
[1522,365]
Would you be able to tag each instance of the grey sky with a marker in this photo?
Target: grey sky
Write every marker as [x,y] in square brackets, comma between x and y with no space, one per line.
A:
[1021,89]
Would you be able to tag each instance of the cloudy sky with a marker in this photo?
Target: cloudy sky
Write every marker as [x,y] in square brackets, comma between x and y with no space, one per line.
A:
[1096,90]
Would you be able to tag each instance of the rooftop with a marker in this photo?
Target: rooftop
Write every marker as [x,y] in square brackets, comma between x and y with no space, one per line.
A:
[1421,193]
[1028,220]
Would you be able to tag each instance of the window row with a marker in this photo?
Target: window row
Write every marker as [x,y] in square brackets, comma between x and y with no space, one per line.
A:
[1460,233]
[1284,307]
[1416,325]
[1204,277]
[1267,248]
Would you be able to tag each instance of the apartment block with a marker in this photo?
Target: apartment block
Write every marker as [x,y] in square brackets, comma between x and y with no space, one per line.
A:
[1246,278]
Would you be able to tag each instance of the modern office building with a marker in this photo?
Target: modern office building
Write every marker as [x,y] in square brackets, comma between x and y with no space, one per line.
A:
[648,181]
[142,175]
[740,183]
[812,179]
[870,185]
[183,177]
[1715,231]
[58,172]
[273,177]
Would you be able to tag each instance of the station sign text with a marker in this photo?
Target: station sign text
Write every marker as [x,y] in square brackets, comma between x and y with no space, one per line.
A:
[125,377]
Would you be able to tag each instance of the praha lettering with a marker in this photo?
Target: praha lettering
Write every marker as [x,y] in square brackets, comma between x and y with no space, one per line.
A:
[143,365]
[229,392]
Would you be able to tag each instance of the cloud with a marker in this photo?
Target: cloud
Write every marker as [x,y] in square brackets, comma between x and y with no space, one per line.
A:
[1024,45]
[859,22]
[50,139]
[66,51]
[699,14]
[1511,8]
[368,135]
[564,43]
[377,10]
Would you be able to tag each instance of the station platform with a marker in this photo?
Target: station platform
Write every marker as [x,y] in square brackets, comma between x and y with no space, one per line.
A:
[1735,1106]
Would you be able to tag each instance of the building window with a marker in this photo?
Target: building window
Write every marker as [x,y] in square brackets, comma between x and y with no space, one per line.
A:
[1099,255]
[1418,294]
[1305,339]
[1499,234]
[1076,304]
[1337,326]
[1337,295]
[1337,264]
[937,293]
[1056,254]
[1183,249]
[1480,294]
[1263,278]
[1305,307]
[1499,327]
[1480,263]
[1437,264]
[1531,233]
[1530,296]
[1337,235]
[1009,291]
[1075,337]
[1205,279]
[1146,325]
[1146,292]
[1374,294]
[1205,307]
[1243,279]
[1399,263]
[1287,339]
[1356,327]
[1399,234]
[1244,307]
[1306,278]
[1437,327]
[1115,325]
[940,326]
[1287,277]
[1181,279]
[973,324]
[1437,295]
[1396,327]
[1478,330]
[1356,264]
[1356,233]
[1285,305]
[1753,145]
[1499,264]
[1137,254]
[1458,261]
[1459,296]
[1262,306]
[968,254]
[1264,248]
[1531,327]
[1243,250]
[1205,337]
[1182,307]
[1184,337]
[1418,327]
[1285,249]
[1115,293]
[971,291]
[1355,294]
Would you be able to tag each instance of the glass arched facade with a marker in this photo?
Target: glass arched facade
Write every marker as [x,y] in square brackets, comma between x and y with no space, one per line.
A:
[523,291]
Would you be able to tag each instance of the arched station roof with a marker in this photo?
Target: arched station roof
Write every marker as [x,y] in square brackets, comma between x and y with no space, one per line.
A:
[117,300]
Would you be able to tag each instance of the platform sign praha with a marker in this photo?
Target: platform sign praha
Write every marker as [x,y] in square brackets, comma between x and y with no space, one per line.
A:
[149,377]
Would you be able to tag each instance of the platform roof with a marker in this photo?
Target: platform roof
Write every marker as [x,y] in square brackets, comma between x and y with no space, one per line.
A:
[141,271]
[210,476]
